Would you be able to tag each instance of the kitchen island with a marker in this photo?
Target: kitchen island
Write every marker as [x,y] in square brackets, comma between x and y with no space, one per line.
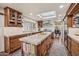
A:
[37,44]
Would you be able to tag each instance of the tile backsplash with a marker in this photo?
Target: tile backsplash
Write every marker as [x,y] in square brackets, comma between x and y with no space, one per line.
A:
[12,30]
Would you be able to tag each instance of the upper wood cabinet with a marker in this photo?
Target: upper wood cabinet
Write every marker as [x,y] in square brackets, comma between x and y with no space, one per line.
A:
[13,18]
[73,9]
[70,21]
[40,24]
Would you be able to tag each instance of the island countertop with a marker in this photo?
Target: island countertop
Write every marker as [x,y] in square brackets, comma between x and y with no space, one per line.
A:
[36,39]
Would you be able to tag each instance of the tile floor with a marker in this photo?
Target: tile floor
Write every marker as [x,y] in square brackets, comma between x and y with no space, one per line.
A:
[57,49]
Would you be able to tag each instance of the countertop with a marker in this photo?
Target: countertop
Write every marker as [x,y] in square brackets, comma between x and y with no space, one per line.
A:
[14,31]
[36,39]
[74,34]
[17,33]
[74,37]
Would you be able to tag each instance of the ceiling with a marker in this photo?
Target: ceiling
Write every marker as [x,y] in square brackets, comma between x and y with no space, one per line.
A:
[35,10]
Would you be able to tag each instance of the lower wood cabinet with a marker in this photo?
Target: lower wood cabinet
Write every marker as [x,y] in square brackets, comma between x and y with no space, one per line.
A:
[43,48]
[65,39]
[12,44]
[40,49]
[69,44]
[73,47]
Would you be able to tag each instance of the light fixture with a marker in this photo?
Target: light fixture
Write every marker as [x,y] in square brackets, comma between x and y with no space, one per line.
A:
[61,6]
[30,13]
[39,16]
[60,15]
[47,15]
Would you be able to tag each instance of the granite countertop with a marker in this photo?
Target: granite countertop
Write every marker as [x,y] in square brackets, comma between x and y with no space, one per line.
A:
[74,34]
[19,34]
[14,31]
[15,34]
[74,37]
[35,39]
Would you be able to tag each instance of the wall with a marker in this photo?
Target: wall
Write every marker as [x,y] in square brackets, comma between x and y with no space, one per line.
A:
[1,39]
[1,10]
[1,33]
[10,31]
[29,25]
[49,26]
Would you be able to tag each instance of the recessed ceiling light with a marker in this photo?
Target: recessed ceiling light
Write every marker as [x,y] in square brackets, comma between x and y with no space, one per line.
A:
[30,14]
[50,13]
[60,15]
[39,16]
[61,6]
[49,17]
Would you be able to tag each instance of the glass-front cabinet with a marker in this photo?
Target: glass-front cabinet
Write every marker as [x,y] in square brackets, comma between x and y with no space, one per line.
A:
[76,20]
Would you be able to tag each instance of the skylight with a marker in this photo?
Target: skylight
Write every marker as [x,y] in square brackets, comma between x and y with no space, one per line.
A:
[61,6]
[47,15]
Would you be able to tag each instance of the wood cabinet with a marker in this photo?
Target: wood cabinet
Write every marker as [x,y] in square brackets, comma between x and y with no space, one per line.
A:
[73,9]
[66,43]
[12,44]
[40,25]
[13,18]
[44,47]
[70,21]
[69,44]
[41,49]
[73,47]
[65,39]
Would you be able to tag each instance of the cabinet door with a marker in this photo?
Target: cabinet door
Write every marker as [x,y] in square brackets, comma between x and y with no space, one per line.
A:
[66,40]
[69,44]
[74,49]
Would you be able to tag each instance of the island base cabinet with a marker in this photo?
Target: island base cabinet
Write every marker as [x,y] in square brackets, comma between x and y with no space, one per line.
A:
[44,47]
[41,49]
